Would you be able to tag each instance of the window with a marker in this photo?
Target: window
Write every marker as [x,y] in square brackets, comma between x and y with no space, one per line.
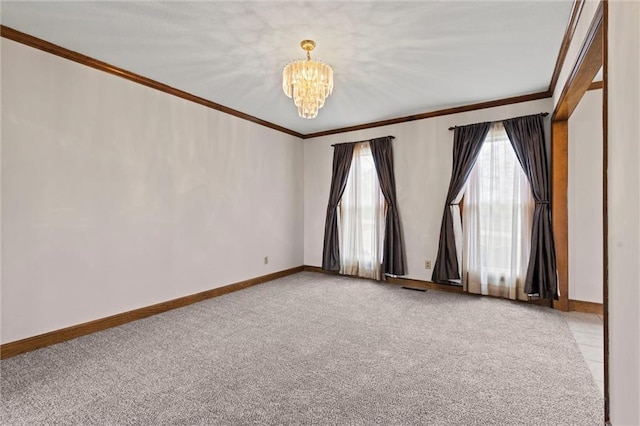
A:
[497,220]
[361,221]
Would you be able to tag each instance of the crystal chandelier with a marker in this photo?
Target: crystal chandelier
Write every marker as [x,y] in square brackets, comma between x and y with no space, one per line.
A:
[308,82]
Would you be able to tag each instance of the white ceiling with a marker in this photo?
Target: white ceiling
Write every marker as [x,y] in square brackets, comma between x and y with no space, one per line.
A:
[391,59]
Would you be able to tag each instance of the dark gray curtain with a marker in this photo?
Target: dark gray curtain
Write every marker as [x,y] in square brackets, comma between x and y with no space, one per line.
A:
[342,157]
[467,141]
[527,138]
[393,251]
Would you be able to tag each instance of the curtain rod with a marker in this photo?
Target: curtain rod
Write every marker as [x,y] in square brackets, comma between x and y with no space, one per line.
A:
[366,140]
[544,114]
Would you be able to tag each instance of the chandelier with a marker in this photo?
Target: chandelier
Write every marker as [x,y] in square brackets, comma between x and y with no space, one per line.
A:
[308,82]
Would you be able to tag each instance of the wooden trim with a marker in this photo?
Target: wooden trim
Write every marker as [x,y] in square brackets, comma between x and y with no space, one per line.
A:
[318,269]
[593,55]
[547,303]
[586,307]
[559,208]
[595,85]
[562,54]
[428,285]
[605,203]
[432,114]
[62,52]
[17,347]
[409,282]
[587,65]
[566,43]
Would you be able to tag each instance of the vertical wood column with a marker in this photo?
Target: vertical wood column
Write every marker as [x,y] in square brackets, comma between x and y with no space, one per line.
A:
[559,210]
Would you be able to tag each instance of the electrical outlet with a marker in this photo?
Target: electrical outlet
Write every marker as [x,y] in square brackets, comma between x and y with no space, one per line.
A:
[427,264]
[266,260]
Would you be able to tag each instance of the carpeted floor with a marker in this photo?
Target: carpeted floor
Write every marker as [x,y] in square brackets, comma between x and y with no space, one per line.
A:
[314,349]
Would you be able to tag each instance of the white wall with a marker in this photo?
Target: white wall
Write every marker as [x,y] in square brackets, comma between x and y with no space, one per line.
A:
[116,196]
[624,211]
[423,157]
[585,199]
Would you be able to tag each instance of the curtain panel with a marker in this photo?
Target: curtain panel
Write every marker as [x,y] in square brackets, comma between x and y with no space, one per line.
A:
[527,138]
[342,157]
[393,259]
[362,214]
[497,219]
[467,141]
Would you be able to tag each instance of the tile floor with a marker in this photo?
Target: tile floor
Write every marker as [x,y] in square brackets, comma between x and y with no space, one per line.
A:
[588,330]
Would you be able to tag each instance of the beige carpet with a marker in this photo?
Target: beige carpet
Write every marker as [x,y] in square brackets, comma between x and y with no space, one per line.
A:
[314,349]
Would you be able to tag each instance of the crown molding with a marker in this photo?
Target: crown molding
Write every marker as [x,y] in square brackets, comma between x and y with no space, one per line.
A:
[588,62]
[438,113]
[566,43]
[60,51]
